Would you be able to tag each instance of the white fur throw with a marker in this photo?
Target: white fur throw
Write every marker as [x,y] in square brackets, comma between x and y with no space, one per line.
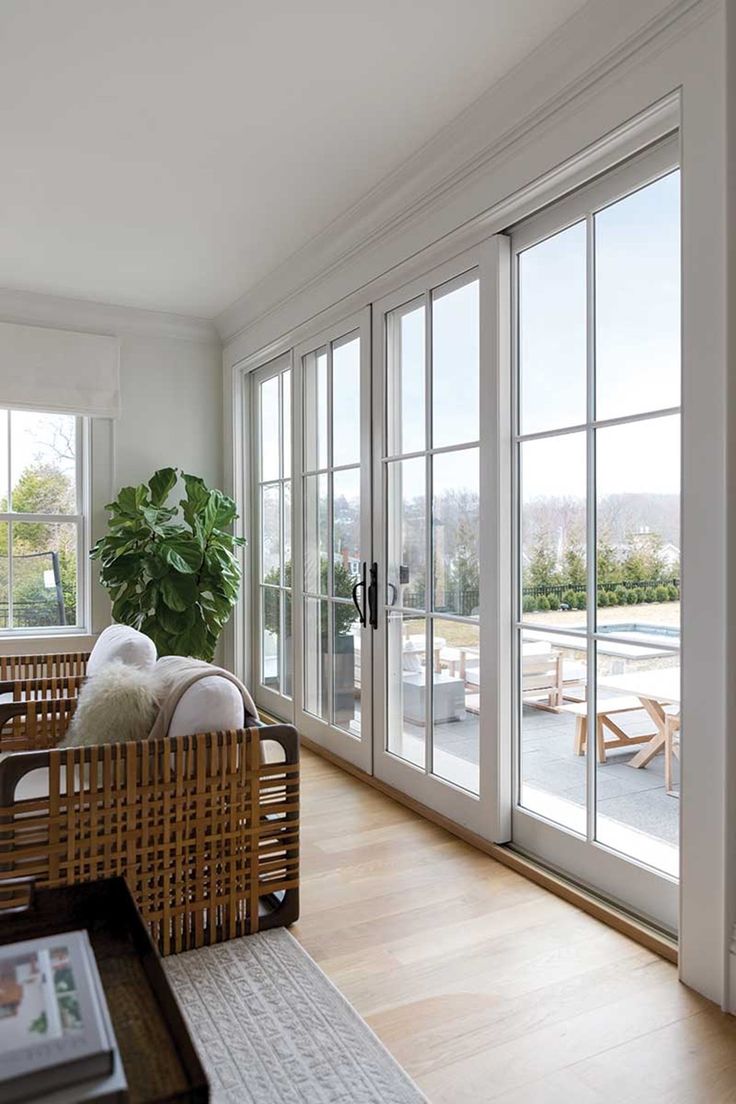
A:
[116,705]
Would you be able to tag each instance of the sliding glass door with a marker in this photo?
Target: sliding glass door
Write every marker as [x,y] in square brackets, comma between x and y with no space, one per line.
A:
[597,535]
[333,502]
[468,564]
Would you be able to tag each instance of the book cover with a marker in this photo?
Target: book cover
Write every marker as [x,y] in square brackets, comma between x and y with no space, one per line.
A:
[54,1030]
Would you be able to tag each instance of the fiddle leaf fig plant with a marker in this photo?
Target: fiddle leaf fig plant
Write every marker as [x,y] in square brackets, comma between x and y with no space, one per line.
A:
[172,571]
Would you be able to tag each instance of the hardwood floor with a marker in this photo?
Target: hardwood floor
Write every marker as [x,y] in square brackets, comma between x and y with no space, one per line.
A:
[483,985]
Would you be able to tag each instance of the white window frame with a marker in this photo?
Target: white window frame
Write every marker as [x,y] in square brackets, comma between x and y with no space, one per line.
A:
[81,518]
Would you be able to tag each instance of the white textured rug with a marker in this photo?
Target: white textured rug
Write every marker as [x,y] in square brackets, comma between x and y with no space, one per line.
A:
[271,1028]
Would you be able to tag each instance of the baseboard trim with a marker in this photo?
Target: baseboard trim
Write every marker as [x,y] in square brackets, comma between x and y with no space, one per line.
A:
[636,929]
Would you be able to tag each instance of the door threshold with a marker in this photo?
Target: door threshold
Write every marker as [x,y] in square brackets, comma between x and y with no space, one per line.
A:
[636,928]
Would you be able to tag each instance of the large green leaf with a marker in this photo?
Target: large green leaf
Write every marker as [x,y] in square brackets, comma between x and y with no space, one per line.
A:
[178,591]
[183,554]
[161,484]
[130,500]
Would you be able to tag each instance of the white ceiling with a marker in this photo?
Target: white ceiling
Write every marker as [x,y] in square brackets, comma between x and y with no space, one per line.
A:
[168,154]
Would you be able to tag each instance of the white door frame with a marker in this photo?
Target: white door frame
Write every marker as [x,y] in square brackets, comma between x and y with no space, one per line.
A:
[273,702]
[481,814]
[637,887]
[359,752]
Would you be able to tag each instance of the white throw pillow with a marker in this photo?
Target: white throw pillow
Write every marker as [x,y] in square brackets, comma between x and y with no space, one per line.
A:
[117,705]
[121,642]
[213,704]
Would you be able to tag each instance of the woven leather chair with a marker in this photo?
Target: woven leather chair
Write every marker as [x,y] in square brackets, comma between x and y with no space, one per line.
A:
[205,828]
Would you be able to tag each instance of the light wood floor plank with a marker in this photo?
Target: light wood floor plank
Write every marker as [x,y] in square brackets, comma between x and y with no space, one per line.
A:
[484,985]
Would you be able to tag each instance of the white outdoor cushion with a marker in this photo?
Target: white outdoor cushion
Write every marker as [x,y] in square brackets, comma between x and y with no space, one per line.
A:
[123,643]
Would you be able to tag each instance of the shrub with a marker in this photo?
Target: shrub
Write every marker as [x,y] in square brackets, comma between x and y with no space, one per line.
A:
[554,602]
[673,592]
[614,598]
[650,594]
[580,600]
[662,593]
[543,603]
[569,599]
[602,598]
[634,596]
[528,604]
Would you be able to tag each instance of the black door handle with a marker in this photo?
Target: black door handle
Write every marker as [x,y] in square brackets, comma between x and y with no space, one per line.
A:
[373,597]
[356,603]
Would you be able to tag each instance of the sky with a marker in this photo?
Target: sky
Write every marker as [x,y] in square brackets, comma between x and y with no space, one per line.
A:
[637,339]
[33,436]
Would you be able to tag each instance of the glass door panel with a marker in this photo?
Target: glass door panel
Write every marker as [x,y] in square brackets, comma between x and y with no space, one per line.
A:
[427,385]
[597,538]
[334,700]
[273,645]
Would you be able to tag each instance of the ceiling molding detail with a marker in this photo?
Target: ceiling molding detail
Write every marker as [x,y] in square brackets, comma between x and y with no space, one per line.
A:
[36,309]
[552,78]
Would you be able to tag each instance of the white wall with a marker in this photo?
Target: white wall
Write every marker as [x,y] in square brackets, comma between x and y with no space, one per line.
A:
[171,410]
[171,393]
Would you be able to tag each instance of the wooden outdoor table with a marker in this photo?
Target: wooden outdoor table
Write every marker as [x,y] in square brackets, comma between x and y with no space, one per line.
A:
[654,689]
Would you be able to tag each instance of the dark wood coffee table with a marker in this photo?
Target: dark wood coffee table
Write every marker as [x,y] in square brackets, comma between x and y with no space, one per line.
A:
[161,1064]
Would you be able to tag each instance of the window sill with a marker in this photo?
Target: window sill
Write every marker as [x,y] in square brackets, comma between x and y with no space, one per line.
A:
[19,641]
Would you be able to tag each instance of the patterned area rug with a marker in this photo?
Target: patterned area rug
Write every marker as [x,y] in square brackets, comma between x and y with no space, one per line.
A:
[271,1028]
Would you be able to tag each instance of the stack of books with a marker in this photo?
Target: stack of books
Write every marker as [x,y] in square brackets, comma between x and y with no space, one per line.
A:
[57,1045]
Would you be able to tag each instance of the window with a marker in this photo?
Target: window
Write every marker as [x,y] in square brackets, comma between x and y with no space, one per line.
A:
[273,516]
[42,526]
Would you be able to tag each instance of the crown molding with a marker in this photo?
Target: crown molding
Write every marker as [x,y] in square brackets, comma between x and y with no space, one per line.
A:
[34,309]
[555,76]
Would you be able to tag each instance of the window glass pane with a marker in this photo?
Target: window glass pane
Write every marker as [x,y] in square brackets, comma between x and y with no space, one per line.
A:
[271,626]
[287,533]
[287,663]
[315,410]
[346,531]
[552,331]
[455,343]
[638,773]
[637,301]
[346,402]
[553,531]
[407,686]
[553,727]
[407,540]
[43,462]
[455,521]
[4,593]
[44,574]
[286,422]
[346,667]
[270,534]
[456,702]
[315,657]
[638,523]
[315,534]
[270,429]
[405,390]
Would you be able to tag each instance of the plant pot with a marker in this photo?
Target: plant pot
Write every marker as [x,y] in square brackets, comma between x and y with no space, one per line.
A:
[343,666]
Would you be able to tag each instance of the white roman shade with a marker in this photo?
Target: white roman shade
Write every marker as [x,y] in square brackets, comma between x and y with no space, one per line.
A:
[59,370]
